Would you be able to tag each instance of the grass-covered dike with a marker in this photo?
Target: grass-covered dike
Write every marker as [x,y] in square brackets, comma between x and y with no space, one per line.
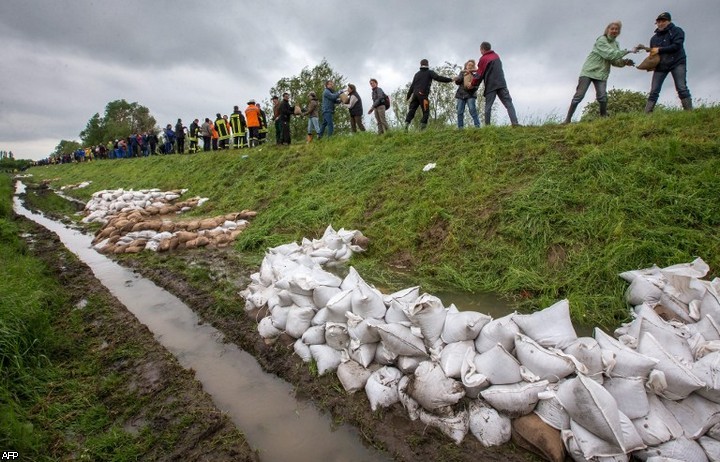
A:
[539,213]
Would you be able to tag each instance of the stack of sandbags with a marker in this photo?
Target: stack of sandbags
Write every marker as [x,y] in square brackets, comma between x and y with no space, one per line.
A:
[107,203]
[653,391]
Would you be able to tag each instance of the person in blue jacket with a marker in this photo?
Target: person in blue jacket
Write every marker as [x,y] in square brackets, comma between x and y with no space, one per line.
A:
[329,100]
[669,43]
[169,139]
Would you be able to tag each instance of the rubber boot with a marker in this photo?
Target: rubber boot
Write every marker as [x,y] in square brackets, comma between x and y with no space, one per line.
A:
[571,111]
[603,109]
[649,106]
[686,104]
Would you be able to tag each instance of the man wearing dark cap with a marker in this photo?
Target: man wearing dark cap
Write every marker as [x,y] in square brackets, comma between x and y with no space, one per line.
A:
[419,91]
[668,42]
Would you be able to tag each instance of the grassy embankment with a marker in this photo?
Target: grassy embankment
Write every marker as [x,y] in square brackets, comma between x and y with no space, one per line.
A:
[69,385]
[543,212]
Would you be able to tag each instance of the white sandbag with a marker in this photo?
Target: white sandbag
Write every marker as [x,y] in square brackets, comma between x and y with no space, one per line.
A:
[673,340]
[353,376]
[326,358]
[707,369]
[550,327]
[465,325]
[592,406]
[514,400]
[548,364]
[710,305]
[679,378]
[323,294]
[411,406]
[587,351]
[314,335]
[409,364]
[396,312]
[267,330]
[428,313]
[302,350]
[472,380]
[659,425]
[382,387]
[298,321]
[351,280]
[711,446]
[364,354]
[707,327]
[284,297]
[336,335]
[367,302]
[384,356]
[362,330]
[593,447]
[454,426]
[628,362]
[433,389]
[406,296]
[643,290]
[321,317]
[695,414]
[498,366]
[630,395]
[487,425]
[714,432]
[324,278]
[338,305]
[302,300]
[551,411]
[452,356]
[400,340]
[681,449]
[501,330]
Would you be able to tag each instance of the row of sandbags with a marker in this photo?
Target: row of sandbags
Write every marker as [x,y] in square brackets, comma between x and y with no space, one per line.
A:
[107,203]
[83,184]
[654,392]
[138,220]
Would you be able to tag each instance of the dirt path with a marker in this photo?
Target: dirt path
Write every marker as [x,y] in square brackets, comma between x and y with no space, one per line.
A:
[150,390]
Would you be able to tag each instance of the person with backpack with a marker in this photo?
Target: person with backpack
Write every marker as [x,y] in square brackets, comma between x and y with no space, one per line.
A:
[419,92]
[466,94]
[381,103]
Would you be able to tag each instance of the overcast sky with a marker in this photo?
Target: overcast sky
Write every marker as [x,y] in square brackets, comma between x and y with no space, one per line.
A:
[64,60]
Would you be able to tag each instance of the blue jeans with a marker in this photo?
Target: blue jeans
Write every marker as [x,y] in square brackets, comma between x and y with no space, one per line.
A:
[313,123]
[327,122]
[472,107]
[584,84]
[505,99]
[679,74]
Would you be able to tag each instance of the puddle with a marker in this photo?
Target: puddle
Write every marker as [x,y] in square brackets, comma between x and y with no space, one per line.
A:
[263,407]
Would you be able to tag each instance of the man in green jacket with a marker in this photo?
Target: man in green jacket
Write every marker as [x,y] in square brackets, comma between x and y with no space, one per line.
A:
[596,70]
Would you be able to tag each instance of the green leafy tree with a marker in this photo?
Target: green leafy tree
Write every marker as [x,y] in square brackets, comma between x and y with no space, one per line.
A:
[299,87]
[120,120]
[619,102]
[442,100]
[65,147]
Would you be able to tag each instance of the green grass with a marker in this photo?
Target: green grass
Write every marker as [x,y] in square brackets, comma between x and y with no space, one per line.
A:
[540,212]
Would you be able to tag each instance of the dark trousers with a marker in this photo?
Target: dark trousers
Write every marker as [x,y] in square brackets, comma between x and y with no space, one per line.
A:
[415,103]
[206,143]
[180,145]
[285,132]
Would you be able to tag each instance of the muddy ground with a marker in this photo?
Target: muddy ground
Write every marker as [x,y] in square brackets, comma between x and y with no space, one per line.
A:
[208,280]
[174,407]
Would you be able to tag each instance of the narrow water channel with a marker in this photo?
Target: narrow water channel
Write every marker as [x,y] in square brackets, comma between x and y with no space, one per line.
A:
[262,406]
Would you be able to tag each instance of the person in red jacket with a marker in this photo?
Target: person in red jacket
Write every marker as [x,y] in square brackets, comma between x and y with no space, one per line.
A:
[491,72]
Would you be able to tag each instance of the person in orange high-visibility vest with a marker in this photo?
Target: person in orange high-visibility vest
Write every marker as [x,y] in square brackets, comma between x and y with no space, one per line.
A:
[252,117]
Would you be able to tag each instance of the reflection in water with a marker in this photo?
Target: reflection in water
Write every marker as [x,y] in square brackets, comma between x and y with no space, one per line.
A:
[263,407]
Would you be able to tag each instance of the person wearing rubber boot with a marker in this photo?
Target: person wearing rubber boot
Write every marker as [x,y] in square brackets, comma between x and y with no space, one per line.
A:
[669,43]
[605,53]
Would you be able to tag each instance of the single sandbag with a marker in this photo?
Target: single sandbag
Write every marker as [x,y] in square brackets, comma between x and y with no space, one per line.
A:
[338,305]
[550,327]
[629,393]
[412,407]
[336,335]
[587,351]
[452,356]
[367,302]
[381,387]
[680,381]
[628,362]
[531,433]
[353,376]
[454,426]
[659,425]
[464,325]
[362,330]
[326,358]
[551,365]
[383,356]
[695,414]
[302,350]
[498,366]
[711,446]
[409,364]
[323,294]
[298,321]
[487,425]
[267,330]
[681,449]
[514,400]
[501,330]
[707,369]
[428,313]
[433,389]
[396,312]
[551,411]
[364,354]
[400,340]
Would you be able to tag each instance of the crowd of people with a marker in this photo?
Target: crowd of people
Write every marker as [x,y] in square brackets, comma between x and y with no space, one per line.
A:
[249,128]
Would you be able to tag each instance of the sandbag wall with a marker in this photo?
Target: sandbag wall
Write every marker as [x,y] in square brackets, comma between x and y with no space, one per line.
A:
[651,391]
[134,221]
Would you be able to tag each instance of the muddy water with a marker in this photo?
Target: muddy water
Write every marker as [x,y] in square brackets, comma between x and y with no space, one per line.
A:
[263,407]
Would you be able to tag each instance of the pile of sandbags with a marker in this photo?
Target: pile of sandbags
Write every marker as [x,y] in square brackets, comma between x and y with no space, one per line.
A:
[81,185]
[137,220]
[653,392]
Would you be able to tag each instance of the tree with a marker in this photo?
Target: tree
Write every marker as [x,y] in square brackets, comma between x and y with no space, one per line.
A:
[619,102]
[443,110]
[65,147]
[299,87]
[120,120]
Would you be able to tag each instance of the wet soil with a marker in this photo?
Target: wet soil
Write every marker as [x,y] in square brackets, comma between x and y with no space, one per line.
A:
[187,424]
